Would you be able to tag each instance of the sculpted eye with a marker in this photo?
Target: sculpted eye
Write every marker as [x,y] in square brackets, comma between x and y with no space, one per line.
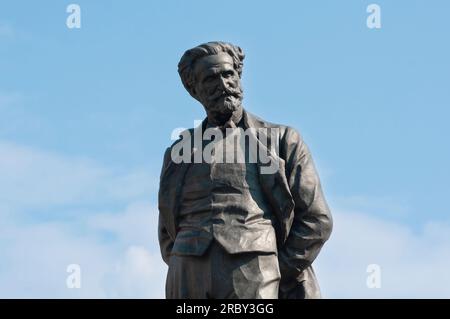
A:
[228,74]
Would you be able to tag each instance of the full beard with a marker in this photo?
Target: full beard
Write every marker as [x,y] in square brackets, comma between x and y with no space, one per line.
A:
[222,107]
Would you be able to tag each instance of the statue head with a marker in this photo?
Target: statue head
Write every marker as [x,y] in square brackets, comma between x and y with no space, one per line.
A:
[211,73]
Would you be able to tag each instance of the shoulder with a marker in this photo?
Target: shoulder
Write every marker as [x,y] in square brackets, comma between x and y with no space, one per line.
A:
[183,137]
[286,133]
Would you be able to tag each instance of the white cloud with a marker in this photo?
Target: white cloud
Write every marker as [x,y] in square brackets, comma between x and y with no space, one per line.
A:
[35,252]
[118,251]
[16,117]
[6,30]
[140,274]
[414,264]
[35,257]
[136,225]
[36,178]
[8,99]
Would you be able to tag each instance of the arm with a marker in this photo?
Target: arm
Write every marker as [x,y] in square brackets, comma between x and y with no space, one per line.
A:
[312,223]
[165,242]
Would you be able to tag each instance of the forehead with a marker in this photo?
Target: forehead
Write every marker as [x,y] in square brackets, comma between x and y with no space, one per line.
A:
[212,63]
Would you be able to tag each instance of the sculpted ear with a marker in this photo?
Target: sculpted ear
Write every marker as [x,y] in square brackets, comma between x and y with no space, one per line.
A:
[193,93]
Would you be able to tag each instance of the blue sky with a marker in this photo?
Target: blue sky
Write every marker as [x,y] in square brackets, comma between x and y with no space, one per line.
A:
[85,115]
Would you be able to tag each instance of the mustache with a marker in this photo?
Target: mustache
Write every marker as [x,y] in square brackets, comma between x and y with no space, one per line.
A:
[236,92]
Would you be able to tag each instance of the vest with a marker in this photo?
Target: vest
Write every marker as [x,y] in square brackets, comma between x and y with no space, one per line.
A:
[224,201]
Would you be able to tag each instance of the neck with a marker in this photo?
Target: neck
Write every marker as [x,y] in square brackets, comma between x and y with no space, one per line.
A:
[220,119]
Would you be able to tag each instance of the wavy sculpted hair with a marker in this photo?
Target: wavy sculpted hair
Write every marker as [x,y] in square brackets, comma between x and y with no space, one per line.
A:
[187,61]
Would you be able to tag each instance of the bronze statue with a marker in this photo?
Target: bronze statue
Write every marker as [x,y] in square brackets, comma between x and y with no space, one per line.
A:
[245,219]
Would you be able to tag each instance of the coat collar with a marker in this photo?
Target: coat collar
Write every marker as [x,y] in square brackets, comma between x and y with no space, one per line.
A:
[261,131]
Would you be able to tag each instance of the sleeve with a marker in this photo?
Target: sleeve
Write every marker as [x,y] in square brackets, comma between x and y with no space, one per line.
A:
[312,223]
[165,242]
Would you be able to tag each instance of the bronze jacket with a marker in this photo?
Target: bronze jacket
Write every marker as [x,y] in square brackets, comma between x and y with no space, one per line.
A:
[294,192]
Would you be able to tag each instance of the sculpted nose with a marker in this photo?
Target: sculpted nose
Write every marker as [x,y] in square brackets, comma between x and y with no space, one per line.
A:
[223,83]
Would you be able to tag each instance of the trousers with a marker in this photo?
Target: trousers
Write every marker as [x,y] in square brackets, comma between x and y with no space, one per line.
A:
[220,275]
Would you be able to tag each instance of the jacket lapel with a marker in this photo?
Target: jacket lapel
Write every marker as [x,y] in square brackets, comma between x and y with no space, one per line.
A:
[273,181]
